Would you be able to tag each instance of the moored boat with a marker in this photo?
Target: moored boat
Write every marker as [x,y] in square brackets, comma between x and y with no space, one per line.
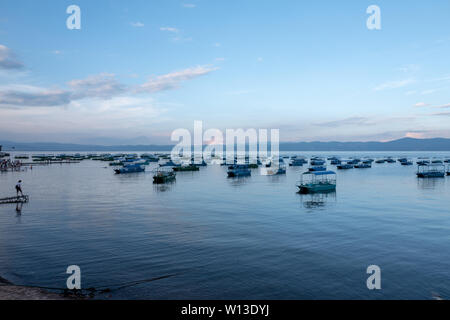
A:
[130,168]
[431,171]
[317,168]
[363,165]
[317,162]
[238,170]
[321,181]
[297,162]
[186,168]
[345,166]
[335,162]
[163,176]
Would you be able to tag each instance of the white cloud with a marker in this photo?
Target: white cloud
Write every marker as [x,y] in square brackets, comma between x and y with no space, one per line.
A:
[8,59]
[90,117]
[445,106]
[169,29]
[429,91]
[137,24]
[103,85]
[189,5]
[410,68]
[421,104]
[172,80]
[394,84]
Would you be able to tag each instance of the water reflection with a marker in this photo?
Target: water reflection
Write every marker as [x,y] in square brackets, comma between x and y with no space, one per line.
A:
[238,181]
[318,200]
[430,183]
[164,187]
[19,208]
[277,178]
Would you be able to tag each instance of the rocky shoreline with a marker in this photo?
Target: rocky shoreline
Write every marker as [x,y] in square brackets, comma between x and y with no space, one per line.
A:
[9,291]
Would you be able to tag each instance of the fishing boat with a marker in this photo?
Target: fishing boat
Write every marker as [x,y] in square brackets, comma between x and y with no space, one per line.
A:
[317,168]
[345,166]
[431,171]
[238,170]
[390,160]
[21,156]
[118,162]
[335,162]
[297,162]
[130,168]
[354,161]
[322,181]
[163,176]
[150,157]
[363,165]
[406,163]
[169,163]
[317,162]
[380,161]
[189,167]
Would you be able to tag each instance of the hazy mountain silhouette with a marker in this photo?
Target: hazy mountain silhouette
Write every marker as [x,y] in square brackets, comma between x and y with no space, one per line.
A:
[405,144]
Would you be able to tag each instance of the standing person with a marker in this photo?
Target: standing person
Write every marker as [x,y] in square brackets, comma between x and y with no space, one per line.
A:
[19,188]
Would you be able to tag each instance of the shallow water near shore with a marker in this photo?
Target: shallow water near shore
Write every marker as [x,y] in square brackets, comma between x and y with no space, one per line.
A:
[221,238]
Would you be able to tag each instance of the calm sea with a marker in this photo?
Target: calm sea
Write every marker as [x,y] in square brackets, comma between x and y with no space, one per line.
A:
[247,238]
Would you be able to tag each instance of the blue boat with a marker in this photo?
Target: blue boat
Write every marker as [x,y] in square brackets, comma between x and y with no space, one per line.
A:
[297,162]
[354,161]
[130,168]
[345,166]
[315,182]
[317,162]
[317,168]
[281,168]
[363,165]
[431,171]
[239,170]
[335,162]
[169,163]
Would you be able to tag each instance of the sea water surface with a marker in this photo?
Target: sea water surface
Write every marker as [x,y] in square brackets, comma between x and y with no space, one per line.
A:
[222,238]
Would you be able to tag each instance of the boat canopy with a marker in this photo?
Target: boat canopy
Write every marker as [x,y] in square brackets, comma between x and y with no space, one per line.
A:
[320,173]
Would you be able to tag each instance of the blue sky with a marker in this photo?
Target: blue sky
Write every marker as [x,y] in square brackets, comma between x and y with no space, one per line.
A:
[138,70]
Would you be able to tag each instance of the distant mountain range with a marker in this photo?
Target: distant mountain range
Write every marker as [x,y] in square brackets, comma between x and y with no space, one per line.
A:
[405,144]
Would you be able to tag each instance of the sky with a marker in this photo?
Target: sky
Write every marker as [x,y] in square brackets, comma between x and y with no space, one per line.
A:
[138,70]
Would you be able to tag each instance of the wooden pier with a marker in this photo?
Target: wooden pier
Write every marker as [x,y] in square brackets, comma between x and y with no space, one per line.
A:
[20,199]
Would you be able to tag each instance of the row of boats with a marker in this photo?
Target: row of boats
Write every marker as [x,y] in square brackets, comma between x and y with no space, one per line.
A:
[317,178]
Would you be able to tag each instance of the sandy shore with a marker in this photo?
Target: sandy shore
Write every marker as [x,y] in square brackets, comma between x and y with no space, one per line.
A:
[9,291]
